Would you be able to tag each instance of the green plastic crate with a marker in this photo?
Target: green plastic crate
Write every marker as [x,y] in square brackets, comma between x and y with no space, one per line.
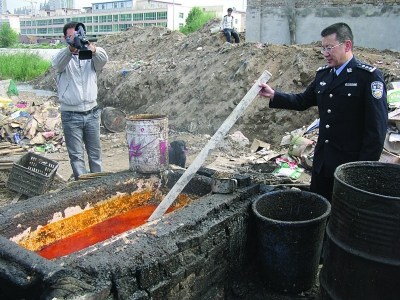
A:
[32,174]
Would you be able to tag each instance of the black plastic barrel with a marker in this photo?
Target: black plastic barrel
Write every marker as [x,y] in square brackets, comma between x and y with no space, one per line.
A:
[362,251]
[290,228]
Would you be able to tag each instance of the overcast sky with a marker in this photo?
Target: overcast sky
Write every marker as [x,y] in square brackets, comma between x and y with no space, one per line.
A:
[12,4]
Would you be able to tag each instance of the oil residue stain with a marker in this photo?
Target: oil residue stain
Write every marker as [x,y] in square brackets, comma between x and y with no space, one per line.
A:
[99,232]
[106,219]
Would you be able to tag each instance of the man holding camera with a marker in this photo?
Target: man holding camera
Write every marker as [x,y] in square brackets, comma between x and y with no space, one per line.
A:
[77,93]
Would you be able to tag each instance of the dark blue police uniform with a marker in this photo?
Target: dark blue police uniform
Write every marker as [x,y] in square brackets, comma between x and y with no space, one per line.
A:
[353,118]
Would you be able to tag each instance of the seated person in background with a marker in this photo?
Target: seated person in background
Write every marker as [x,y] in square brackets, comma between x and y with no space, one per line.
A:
[228,29]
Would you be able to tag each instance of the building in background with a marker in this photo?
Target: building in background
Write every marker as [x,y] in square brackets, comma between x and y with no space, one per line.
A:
[103,18]
[3,7]
[106,18]
[61,4]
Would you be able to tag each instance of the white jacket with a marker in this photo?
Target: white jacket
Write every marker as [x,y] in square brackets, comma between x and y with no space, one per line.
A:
[77,79]
[227,22]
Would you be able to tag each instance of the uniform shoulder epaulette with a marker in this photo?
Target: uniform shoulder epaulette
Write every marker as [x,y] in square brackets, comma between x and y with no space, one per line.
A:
[366,67]
[323,68]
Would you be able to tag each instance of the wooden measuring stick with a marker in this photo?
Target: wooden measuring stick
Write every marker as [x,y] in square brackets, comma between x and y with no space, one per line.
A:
[216,138]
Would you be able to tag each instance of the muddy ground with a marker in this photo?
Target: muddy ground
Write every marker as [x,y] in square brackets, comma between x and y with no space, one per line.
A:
[196,81]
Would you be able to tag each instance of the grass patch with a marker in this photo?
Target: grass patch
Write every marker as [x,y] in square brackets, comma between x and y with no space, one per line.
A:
[40,46]
[22,66]
[195,20]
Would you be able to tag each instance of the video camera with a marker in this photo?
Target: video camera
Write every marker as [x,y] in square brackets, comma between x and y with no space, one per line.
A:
[80,42]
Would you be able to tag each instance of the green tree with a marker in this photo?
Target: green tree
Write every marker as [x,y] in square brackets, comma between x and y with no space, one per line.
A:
[8,36]
[195,20]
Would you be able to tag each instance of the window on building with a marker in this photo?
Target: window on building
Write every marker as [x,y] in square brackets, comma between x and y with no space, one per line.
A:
[180,25]
[115,18]
[150,16]
[58,21]
[181,16]
[41,22]
[162,15]
[126,17]
[96,19]
[105,28]
[138,17]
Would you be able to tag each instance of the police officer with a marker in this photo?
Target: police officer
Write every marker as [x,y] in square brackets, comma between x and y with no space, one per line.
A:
[351,100]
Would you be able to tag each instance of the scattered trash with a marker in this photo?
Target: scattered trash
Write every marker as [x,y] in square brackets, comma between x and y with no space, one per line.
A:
[259,145]
[27,122]
[287,167]
[393,94]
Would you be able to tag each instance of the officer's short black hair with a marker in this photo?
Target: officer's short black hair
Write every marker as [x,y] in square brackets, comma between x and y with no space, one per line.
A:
[230,9]
[342,30]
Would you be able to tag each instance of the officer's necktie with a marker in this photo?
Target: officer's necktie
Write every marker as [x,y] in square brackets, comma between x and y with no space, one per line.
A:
[334,76]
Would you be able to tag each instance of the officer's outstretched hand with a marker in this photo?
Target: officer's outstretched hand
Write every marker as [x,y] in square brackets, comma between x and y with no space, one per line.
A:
[266,91]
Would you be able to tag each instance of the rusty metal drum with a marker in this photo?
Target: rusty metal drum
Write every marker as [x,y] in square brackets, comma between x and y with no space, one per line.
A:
[147,139]
[362,249]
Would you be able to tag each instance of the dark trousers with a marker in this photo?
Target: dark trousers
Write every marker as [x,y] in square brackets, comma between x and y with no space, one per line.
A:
[230,32]
[322,184]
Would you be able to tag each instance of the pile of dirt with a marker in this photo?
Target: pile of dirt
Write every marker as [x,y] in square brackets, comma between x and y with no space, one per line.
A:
[197,80]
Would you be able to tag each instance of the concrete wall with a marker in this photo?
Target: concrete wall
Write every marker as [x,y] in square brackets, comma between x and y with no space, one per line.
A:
[375,24]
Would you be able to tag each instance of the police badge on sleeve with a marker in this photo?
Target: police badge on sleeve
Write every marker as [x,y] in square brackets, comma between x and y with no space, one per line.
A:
[377,89]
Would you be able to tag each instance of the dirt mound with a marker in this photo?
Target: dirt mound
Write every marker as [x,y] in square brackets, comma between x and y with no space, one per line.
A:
[197,80]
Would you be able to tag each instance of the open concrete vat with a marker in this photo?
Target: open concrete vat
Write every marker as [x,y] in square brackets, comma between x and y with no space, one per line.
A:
[190,253]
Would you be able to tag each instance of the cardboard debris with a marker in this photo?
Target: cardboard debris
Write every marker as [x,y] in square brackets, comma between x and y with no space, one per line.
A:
[258,145]
[388,157]
[28,122]
[300,146]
